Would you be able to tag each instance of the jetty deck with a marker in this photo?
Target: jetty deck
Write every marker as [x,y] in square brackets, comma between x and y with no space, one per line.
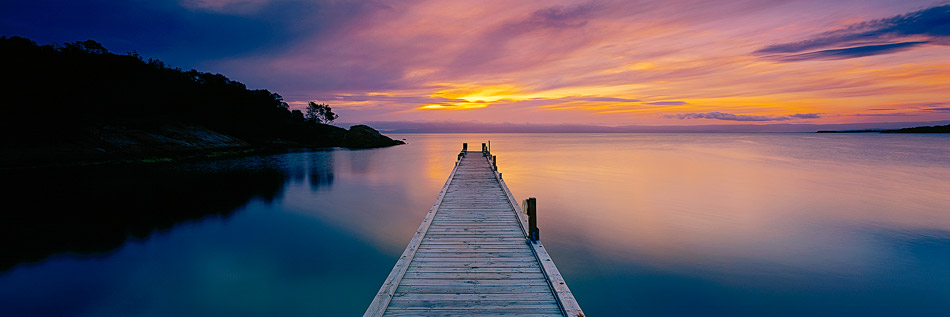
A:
[472,255]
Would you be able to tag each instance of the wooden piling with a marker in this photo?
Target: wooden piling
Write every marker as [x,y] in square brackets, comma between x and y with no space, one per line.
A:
[531,209]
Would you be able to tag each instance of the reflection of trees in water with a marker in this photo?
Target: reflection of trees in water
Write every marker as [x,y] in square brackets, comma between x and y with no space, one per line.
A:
[89,211]
[361,161]
[321,169]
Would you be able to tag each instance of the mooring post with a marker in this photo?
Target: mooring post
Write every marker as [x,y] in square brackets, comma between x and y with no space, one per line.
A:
[531,208]
[494,162]
[464,147]
[484,149]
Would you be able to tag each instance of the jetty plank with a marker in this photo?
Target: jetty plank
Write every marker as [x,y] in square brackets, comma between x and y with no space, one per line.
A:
[470,256]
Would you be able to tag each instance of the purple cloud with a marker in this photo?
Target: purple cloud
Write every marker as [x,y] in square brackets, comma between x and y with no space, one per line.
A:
[937,109]
[739,117]
[608,99]
[851,52]
[667,103]
[495,45]
[554,17]
[875,37]
[895,114]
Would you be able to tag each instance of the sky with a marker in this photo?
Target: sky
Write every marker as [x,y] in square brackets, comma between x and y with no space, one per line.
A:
[613,63]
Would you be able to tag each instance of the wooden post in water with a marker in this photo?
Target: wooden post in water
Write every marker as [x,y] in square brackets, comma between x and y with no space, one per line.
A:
[494,162]
[464,147]
[484,149]
[531,208]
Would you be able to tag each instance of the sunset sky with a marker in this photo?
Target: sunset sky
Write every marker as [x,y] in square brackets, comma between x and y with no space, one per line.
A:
[673,62]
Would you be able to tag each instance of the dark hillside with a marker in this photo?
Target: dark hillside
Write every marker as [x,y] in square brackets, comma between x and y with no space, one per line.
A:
[61,95]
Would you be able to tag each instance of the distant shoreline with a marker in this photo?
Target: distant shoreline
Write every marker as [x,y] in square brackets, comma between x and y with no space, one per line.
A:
[509,127]
[927,129]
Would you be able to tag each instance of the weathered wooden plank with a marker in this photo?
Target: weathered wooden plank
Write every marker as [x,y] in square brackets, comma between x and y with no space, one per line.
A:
[473,255]
[471,249]
[472,304]
[471,236]
[488,217]
[472,239]
[479,259]
[475,263]
[473,223]
[475,312]
[519,297]
[474,276]
[484,244]
[477,269]
[484,225]
[473,252]
[497,245]
[422,281]
[455,252]
[456,233]
[473,289]
[472,230]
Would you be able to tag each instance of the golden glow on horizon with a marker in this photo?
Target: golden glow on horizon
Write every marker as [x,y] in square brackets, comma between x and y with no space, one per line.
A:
[455,106]
[479,93]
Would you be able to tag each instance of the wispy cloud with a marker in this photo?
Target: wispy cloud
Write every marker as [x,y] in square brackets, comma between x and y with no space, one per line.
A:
[893,114]
[225,6]
[739,117]
[667,103]
[606,99]
[851,52]
[875,37]
[937,109]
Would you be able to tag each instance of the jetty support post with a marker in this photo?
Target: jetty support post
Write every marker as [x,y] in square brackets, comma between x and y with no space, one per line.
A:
[494,162]
[531,208]
[484,150]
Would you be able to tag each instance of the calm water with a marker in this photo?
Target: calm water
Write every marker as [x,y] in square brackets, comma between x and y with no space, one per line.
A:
[661,224]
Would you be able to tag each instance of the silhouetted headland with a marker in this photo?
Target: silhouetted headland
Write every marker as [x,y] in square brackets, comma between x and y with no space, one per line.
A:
[928,129]
[78,103]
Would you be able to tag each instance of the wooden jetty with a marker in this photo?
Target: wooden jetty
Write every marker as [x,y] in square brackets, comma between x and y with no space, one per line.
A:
[475,253]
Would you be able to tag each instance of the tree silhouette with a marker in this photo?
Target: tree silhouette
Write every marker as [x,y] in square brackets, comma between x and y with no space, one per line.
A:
[59,95]
[320,113]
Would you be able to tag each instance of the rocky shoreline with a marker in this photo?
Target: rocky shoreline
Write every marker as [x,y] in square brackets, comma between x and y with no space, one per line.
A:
[120,145]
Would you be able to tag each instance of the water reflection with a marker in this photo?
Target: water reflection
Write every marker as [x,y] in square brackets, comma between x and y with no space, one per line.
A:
[639,224]
[96,210]
[362,161]
[321,169]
